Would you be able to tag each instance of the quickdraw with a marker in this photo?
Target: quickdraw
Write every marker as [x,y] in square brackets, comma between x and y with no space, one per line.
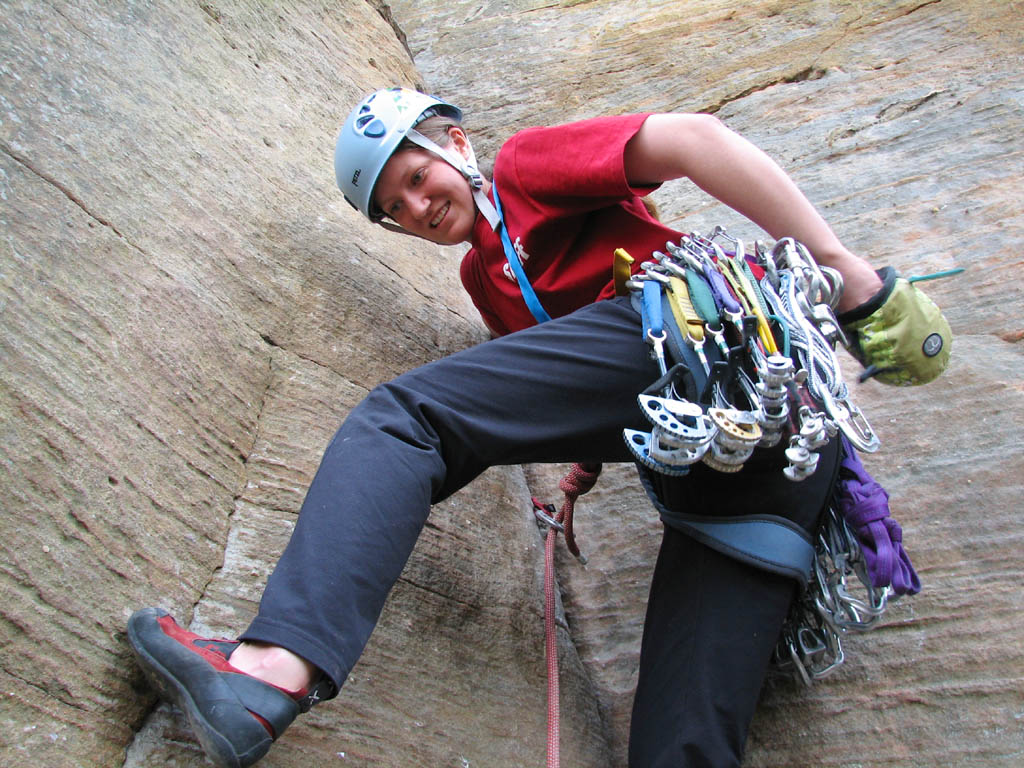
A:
[839,598]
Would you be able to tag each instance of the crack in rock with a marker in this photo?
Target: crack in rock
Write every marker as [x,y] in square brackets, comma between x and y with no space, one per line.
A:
[27,164]
[812,72]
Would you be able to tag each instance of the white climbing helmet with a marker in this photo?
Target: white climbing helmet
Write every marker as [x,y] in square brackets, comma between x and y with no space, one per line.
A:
[374,130]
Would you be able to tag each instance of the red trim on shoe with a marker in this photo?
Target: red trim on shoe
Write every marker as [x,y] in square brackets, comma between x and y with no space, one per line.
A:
[219,660]
[215,658]
[264,723]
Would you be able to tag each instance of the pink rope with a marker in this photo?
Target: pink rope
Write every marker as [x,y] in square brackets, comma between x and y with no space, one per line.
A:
[581,478]
[551,647]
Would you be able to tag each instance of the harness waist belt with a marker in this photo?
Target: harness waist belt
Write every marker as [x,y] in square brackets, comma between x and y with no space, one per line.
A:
[768,542]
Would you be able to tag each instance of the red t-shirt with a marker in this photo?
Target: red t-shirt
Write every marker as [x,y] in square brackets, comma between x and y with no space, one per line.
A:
[567,206]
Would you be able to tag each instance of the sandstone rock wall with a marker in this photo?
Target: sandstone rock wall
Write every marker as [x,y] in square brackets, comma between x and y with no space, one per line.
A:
[189,308]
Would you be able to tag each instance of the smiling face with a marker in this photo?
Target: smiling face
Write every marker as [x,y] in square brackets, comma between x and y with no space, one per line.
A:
[426,195]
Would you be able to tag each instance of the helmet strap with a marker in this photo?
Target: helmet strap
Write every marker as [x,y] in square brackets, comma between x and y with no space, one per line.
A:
[466,166]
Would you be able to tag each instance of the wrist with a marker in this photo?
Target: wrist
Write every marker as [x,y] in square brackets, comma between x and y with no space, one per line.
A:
[885,279]
[861,284]
[860,281]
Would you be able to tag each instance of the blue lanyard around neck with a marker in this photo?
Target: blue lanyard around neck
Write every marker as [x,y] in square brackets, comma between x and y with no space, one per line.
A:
[529,295]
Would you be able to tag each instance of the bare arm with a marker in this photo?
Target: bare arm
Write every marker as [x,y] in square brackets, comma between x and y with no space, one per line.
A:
[734,171]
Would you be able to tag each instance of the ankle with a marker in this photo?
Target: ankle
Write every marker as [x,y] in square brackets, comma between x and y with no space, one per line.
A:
[275,665]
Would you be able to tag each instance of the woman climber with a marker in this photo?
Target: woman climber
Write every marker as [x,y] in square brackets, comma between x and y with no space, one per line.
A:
[541,232]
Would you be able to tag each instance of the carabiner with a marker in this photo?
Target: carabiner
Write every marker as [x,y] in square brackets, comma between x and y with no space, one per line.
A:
[851,421]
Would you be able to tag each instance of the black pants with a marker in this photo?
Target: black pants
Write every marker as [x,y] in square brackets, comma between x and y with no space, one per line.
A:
[558,392]
[712,621]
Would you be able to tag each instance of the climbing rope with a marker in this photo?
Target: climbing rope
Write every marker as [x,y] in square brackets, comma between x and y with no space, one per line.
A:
[579,480]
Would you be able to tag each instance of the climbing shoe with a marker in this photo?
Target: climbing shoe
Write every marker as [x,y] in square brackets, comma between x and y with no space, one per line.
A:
[235,716]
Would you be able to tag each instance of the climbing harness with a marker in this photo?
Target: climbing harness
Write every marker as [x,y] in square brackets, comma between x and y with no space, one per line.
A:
[745,342]
[769,374]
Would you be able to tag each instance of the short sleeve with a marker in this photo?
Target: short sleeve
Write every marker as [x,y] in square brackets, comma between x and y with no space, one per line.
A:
[577,165]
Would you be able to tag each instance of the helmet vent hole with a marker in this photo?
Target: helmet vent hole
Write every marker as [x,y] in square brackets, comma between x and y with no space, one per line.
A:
[371,126]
